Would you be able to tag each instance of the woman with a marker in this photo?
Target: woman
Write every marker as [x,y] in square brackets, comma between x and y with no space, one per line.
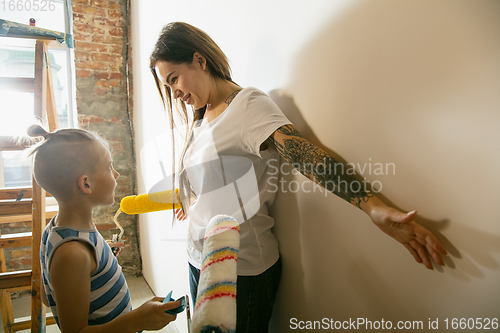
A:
[238,133]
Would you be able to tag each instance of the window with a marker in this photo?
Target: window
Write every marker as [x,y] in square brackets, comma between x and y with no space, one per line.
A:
[17,59]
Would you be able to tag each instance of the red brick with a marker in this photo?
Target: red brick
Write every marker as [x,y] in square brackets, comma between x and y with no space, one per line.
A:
[115,67]
[82,18]
[14,264]
[114,83]
[102,75]
[105,226]
[82,38]
[116,32]
[15,254]
[116,76]
[98,31]
[83,73]
[26,261]
[93,47]
[91,119]
[78,97]
[117,147]
[112,13]
[100,3]
[82,28]
[119,122]
[95,11]
[91,65]
[103,83]
[115,48]
[101,91]
[120,23]
[78,9]
[116,58]
[80,55]
[102,21]
[107,39]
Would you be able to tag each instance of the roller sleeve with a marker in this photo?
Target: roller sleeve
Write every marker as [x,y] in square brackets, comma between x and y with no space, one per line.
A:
[153,202]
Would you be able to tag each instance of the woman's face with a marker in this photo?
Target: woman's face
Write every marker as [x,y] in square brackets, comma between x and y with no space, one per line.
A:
[188,82]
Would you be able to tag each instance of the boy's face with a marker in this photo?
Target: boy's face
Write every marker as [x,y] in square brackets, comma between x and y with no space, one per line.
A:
[104,179]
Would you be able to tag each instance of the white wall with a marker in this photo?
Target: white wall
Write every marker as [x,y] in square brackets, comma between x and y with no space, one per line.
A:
[414,83]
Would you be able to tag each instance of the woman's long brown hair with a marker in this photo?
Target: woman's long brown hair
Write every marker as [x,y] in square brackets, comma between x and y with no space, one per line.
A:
[177,44]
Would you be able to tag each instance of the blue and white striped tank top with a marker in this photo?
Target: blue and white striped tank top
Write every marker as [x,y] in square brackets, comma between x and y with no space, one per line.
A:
[109,294]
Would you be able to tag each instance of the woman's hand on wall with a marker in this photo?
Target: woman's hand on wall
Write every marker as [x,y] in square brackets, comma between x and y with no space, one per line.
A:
[402,227]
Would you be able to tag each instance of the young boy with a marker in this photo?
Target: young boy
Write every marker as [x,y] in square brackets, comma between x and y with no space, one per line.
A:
[84,285]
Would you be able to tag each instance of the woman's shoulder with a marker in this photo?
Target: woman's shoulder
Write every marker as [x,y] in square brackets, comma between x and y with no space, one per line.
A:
[252,91]
[255,96]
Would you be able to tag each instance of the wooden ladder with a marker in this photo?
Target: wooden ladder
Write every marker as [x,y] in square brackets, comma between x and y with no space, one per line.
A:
[27,205]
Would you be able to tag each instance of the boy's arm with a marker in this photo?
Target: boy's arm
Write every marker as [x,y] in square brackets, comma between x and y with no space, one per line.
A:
[317,165]
[43,296]
[70,272]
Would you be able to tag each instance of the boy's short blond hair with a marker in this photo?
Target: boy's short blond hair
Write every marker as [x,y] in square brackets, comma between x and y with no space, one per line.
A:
[63,156]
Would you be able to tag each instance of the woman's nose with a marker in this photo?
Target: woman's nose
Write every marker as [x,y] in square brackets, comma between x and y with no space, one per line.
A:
[177,94]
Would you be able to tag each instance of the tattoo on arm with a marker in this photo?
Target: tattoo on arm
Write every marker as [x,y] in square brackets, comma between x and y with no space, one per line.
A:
[318,166]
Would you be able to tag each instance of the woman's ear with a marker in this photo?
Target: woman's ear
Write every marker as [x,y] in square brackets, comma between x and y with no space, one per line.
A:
[84,184]
[199,60]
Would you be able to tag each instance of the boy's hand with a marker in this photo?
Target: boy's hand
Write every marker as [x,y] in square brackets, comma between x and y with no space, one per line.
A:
[117,245]
[152,315]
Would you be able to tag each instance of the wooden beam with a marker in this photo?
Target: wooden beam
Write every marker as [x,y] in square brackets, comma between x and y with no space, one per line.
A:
[6,309]
[40,80]
[13,193]
[7,193]
[24,323]
[14,289]
[12,207]
[5,300]
[21,84]
[15,240]
[38,311]
[51,101]
[15,279]
[50,213]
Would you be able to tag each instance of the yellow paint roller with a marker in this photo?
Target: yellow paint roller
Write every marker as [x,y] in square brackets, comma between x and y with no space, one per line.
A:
[145,203]
[152,202]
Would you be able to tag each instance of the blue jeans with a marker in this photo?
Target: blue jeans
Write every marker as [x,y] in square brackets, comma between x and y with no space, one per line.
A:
[255,297]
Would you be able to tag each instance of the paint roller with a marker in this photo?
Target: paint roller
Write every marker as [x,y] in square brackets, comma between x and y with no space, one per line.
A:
[145,203]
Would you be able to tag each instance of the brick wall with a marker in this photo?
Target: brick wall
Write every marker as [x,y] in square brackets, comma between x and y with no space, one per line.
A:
[101,48]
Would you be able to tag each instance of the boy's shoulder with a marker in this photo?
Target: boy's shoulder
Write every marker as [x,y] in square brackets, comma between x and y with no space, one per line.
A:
[75,251]
[67,243]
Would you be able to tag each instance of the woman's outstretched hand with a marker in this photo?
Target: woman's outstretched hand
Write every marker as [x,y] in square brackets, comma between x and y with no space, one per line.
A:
[402,227]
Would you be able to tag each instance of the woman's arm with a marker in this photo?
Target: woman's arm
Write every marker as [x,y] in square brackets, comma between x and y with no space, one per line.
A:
[70,271]
[317,165]
[314,163]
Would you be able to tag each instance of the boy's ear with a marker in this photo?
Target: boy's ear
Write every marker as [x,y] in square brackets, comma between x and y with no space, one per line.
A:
[84,184]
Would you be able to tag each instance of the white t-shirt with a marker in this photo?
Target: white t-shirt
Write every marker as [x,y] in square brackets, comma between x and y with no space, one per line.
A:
[230,175]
